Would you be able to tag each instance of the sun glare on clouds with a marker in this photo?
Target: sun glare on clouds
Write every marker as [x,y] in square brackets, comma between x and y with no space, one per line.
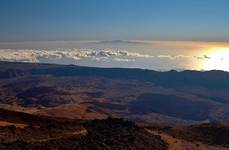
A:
[217,58]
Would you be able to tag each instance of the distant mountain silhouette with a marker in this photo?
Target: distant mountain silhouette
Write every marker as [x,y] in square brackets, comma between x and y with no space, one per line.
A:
[208,79]
[118,42]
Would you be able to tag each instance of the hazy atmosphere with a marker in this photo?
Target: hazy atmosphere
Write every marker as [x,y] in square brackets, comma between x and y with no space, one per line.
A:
[160,35]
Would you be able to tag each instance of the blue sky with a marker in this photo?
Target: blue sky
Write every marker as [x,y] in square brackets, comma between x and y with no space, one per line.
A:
[44,20]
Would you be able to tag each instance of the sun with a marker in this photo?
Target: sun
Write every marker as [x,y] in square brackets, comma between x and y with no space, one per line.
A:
[217,58]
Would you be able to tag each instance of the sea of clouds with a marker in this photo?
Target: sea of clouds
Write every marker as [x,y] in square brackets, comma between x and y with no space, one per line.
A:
[35,55]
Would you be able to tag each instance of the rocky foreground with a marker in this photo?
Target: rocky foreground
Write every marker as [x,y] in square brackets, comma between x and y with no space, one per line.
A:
[22,131]
[52,133]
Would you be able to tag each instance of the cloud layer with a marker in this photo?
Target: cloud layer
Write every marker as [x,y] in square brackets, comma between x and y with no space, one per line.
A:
[32,55]
[35,55]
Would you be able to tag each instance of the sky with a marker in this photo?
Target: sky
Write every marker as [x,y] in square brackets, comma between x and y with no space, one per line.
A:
[147,34]
[68,20]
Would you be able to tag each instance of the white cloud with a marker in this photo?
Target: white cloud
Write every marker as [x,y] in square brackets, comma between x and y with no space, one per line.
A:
[33,55]
[174,57]
[124,60]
